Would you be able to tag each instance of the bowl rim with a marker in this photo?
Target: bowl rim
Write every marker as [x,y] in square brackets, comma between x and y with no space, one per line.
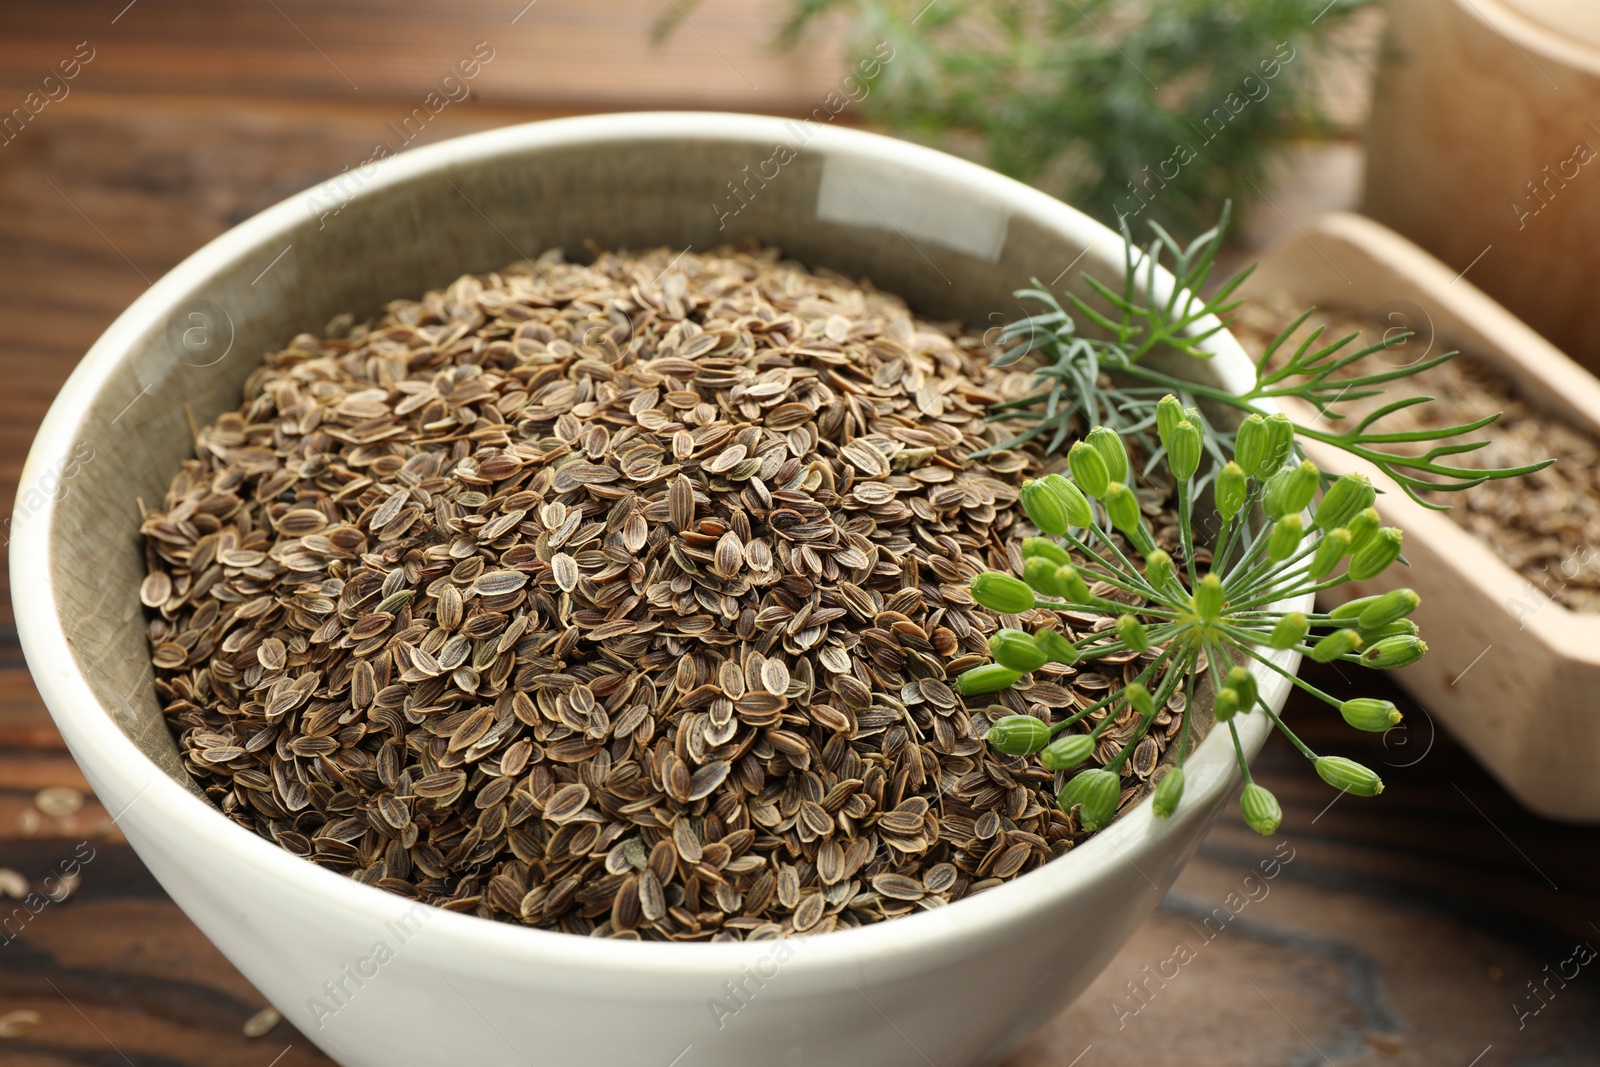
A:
[132,777]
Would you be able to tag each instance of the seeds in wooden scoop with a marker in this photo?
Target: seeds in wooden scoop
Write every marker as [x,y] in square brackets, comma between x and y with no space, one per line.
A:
[1544,525]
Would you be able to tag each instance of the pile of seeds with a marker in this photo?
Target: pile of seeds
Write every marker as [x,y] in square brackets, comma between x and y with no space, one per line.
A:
[1545,525]
[619,599]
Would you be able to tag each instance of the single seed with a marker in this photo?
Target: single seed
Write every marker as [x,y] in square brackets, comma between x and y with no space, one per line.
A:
[809,912]
[66,886]
[898,886]
[58,801]
[565,571]
[567,803]
[259,1024]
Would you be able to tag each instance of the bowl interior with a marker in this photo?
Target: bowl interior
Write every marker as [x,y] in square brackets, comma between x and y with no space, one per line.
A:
[954,240]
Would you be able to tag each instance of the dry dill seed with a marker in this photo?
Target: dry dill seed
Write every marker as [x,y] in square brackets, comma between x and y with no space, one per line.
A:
[18,1023]
[65,888]
[58,801]
[617,599]
[13,884]
[262,1022]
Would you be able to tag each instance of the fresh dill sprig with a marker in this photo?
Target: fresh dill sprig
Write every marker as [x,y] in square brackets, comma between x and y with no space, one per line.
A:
[1174,620]
[1104,379]
[1146,109]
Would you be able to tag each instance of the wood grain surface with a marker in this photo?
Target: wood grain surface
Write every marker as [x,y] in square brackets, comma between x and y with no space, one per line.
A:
[568,54]
[1408,929]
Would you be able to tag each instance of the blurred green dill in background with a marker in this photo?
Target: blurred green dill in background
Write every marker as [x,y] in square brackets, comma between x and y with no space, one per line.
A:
[1149,110]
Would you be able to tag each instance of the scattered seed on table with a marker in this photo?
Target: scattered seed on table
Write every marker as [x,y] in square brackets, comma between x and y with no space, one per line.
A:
[18,1023]
[13,884]
[259,1024]
[66,886]
[58,801]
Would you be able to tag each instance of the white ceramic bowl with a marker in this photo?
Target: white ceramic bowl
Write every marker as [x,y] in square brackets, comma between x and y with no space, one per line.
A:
[371,978]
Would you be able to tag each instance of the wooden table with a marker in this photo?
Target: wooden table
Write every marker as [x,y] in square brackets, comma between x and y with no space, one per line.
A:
[1403,930]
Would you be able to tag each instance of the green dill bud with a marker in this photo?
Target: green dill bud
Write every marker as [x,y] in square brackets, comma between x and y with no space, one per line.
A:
[1158,569]
[1072,585]
[1183,451]
[1391,606]
[1351,610]
[1078,511]
[1241,681]
[1290,631]
[1088,469]
[1225,705]
[1280,445]
[1095,794]
[1261,811]
[1348,775]
[1044,548]
[989,678]
[1168,792]
[1016,650]
[1109,444]
[1045,507]
[1374,557]
[1122,508]
[1273,493]
[1002,593]
[1392,652]
[1331,548]
[1169,412]
[1057,648]
[1344,499]
[1233,489]
[1040,573]
[1290,490]
[1304,477]
[1370,714]
[1018,735]
[1208,597]
[1138,697]
[1250,443]
[1287,533]
[1398,628]
[1362,527]
[1336,644]
[1066,752]
[1132,632]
